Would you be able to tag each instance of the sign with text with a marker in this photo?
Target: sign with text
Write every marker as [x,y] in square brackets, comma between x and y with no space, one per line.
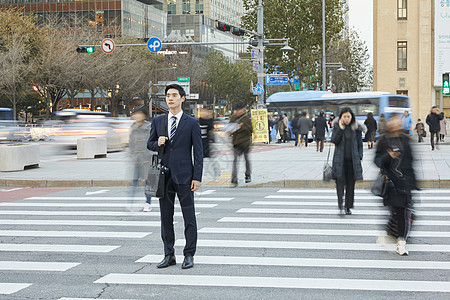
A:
[277,80]
[260,126]
[184,78]
[441,40]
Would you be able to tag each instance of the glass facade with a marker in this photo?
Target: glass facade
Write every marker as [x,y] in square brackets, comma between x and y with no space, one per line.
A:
[111,17]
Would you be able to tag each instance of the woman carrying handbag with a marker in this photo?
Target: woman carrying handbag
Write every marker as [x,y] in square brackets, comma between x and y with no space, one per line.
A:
[394,156]
[348,153]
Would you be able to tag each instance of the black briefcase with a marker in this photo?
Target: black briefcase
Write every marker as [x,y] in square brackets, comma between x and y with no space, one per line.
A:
[156,179]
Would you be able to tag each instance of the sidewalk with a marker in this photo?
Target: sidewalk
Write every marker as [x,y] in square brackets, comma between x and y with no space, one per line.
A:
[274,165]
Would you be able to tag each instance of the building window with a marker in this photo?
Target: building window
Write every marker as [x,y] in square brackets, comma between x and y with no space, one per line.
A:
[401,10]
[401,56]
[402,92]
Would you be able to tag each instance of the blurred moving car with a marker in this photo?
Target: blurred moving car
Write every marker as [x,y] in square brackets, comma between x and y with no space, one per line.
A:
[220,123]
[11,131]
[122,128]
[68,134]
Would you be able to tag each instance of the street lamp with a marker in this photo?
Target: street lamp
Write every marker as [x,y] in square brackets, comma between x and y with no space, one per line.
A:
[335,65]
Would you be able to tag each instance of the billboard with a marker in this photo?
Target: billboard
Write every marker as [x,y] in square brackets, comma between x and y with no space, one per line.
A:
[441,39]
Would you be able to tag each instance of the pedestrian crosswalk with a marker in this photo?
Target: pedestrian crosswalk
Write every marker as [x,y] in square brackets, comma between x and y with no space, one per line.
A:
[254,245]
[49,234]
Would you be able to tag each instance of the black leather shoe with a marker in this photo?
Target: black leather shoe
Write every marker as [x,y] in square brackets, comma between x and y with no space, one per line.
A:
[348,211]
[169,260]
[188,262]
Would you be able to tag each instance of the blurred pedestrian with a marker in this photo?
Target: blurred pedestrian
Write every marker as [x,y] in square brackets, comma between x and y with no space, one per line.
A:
[295,128]
[371,125]
[207,129]
[433,121]
[280,129]
[348,153]
[270,124]
[407,123]
[305,125]
[321,126]
[286,129]
[141,156]
[394,157]
[420,129]
[241,139]
[443,131]
[330,125]
[382,124]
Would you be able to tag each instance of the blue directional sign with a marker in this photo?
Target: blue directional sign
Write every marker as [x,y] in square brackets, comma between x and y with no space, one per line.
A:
[277,80]
[295,79]
[154,44]
[258,90]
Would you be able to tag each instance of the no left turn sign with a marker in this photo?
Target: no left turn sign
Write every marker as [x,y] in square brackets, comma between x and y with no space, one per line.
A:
[108,45]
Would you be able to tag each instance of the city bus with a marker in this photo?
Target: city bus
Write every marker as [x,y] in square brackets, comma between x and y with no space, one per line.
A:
[313,102]
[6,113]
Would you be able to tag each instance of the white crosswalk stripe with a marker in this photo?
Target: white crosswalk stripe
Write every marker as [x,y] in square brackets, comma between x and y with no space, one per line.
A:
[334,211]
[278,282]
[333,204]
[74,212]
[11,288]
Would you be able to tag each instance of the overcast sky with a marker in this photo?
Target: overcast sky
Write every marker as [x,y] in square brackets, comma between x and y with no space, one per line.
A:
[361,17]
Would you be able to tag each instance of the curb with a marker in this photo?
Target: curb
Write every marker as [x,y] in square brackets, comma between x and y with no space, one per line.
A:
[363,184]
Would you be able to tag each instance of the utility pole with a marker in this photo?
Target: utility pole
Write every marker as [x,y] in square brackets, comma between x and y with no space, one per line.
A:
[260,31]
[324,59]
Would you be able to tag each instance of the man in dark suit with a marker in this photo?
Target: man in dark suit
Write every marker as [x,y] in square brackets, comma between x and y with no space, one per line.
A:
[182,136]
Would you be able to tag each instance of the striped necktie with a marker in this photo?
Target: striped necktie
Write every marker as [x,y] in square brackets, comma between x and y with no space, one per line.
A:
[173,127]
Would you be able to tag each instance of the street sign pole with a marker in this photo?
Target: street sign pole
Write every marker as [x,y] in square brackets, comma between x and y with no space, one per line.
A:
[260,31]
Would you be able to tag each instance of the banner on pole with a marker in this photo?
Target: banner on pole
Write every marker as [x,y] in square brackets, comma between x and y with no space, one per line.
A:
[260,126]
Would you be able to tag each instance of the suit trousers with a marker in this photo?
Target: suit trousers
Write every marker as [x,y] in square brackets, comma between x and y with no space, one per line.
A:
[166,205]
[434,135]
[347,181]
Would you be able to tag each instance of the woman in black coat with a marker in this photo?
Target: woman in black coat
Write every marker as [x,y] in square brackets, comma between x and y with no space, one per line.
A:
[371,125]
[347,157]
[394,158]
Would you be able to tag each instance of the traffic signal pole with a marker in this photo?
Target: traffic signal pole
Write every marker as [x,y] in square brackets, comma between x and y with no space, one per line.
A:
[261,73]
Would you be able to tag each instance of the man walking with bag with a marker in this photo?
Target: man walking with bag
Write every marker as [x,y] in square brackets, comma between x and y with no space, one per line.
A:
[184,176]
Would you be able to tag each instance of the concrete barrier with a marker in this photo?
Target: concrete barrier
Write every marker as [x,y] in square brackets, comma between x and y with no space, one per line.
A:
[17,157]
[91,147]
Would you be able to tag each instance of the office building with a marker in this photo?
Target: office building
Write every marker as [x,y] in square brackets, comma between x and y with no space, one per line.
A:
[136,18]
[412,51]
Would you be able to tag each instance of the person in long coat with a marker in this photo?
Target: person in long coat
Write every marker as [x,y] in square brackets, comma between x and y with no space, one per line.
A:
[443,131]
[321,126]
[394,157]
[348,153]
[371,125]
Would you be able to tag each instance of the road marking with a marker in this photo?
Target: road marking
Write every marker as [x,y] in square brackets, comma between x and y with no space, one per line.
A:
[312,245]
[335,211]
[57,248]
[278,282]
[333,203]
[358,191]
[97,192]
[65,298]
[10,190]
[325,221]
[309,262]
[82,223]
[84,213]
[36,266]
[218,199]
[85,234]
[46,204]
[11,288]
[338,232]
[208,192]
[379,199]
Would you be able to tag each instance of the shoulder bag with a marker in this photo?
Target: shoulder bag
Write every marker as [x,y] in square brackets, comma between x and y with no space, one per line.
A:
[156,179]
[327,169]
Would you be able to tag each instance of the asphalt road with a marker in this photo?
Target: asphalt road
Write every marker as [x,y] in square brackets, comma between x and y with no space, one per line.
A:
[253,244]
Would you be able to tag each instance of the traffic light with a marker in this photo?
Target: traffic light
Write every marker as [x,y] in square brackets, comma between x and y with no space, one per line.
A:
[85,49]
[445,84]
[238,31]
[222,26]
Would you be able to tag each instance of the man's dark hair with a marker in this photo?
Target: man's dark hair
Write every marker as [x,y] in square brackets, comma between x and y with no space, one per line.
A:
[434,107]
[177,87]
[141,108]
[321,114]
[304,114]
